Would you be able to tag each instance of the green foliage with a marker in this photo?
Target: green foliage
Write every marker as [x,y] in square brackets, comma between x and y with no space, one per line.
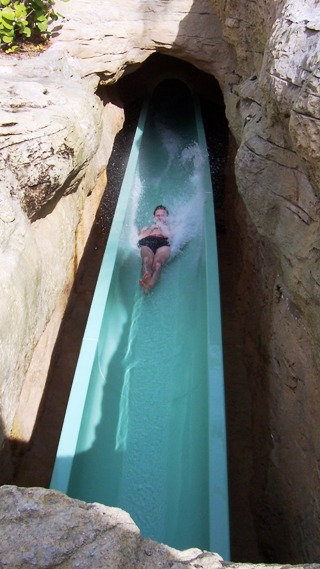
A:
[25,20]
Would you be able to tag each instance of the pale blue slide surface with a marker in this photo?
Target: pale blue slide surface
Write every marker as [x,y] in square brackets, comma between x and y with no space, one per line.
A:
[145,424]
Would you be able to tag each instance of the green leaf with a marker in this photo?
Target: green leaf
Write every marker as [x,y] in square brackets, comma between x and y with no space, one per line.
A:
[7,24]
[37,4]
[21,25]
[21,11]
[12,49]
[8,13]
[9,33]
[42,26]
[7,39]
[4,2]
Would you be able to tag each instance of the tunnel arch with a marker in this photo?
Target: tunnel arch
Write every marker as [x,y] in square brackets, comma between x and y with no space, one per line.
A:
[141,81]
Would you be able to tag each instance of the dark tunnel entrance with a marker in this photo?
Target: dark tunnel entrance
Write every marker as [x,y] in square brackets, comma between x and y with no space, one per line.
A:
[33,465]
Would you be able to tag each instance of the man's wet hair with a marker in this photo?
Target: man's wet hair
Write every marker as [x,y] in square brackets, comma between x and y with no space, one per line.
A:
[161,207]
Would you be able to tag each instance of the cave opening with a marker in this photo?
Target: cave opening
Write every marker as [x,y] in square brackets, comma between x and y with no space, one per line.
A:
[33,465]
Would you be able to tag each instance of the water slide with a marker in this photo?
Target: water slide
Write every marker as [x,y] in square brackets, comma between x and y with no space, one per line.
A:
[144,428]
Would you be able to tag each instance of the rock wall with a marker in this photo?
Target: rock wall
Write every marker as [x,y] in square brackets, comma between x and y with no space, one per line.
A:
[56,136]
[277,180]
[90,536]
[265,56]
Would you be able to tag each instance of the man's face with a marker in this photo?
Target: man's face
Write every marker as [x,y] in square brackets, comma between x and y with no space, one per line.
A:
[161,215]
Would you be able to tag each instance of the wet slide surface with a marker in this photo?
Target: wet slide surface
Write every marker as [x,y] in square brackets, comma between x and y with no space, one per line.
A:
[144,435]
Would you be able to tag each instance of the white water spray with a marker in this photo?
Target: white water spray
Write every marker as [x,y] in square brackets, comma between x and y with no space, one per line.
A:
[186,217]
[185,214]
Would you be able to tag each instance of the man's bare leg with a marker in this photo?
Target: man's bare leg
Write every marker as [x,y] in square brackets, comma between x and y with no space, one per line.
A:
[147,258]
[152,281]
[160,258]
[147,261]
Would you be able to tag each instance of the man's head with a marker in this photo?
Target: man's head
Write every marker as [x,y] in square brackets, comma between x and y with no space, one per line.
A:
[160,213]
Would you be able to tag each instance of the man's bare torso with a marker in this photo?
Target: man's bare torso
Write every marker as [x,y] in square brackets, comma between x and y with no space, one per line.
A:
[153,230]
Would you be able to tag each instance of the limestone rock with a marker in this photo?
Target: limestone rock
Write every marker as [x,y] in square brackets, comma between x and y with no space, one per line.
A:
[56,108]
[129,31]
[43,528]
[55,138]
[46,529]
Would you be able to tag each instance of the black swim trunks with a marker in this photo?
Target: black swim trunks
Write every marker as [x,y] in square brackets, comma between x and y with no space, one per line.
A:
[154,242]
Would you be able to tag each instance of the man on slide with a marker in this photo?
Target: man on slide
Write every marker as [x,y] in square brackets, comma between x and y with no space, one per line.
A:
[154,248]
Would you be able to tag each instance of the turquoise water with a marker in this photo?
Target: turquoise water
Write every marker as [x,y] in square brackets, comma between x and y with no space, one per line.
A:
[143,442]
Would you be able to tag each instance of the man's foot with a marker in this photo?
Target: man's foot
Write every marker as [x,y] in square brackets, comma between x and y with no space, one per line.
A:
[146,276]
[150,283]
[144,280]
[145,286]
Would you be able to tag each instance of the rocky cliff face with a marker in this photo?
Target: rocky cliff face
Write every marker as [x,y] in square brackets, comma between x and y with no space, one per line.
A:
[56,136]
[76,534]
[90,536]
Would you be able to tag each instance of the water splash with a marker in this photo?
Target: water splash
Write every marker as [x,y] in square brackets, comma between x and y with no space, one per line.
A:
[186,213]
[186,217]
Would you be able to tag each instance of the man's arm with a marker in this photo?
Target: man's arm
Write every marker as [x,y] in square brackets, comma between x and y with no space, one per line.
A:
[145,230]
[164,229]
